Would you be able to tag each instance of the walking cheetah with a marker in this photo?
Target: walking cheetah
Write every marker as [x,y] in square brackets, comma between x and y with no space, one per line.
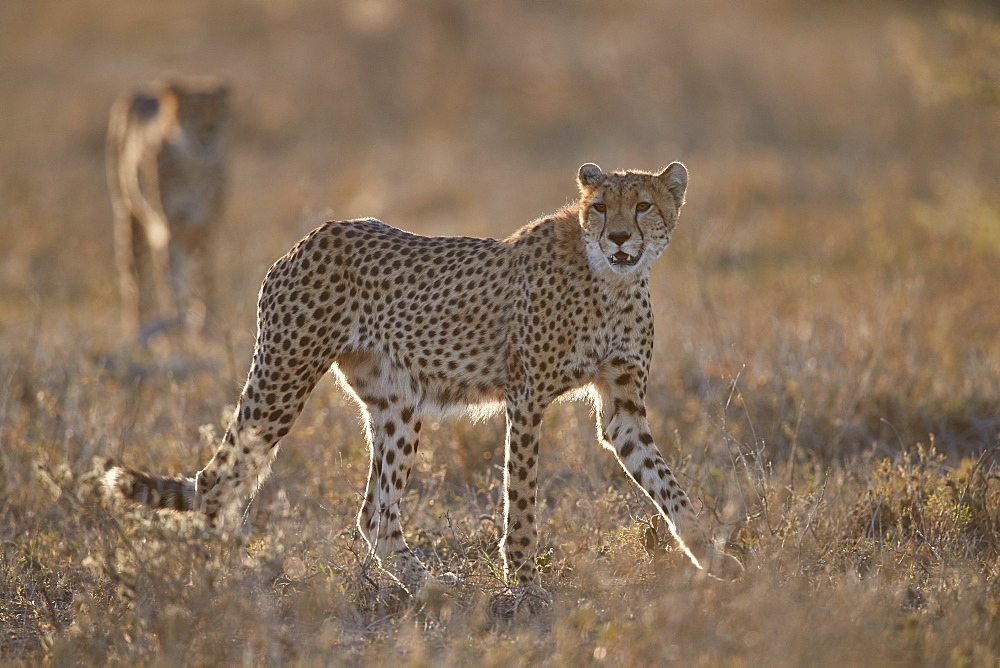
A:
[414,326]
[166,158]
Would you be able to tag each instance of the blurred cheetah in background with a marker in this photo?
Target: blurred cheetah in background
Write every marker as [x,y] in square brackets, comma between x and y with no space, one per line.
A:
[166,158]
[415,326]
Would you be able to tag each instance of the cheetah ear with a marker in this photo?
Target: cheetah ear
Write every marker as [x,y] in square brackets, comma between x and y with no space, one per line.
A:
[675,178]
[175,88]
[590,176]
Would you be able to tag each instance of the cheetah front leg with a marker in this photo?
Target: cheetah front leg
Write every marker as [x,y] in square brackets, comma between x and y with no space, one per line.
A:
[130,250]
[520,540]
[190,279]
[623,428]
[393,433]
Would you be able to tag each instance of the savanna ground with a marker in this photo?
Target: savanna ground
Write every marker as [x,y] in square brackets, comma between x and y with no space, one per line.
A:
[826,373]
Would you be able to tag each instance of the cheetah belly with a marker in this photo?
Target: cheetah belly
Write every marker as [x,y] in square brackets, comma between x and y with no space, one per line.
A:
[373,374]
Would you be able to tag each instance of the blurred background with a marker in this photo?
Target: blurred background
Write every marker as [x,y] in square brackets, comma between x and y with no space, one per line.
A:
[825,377]
[833,285]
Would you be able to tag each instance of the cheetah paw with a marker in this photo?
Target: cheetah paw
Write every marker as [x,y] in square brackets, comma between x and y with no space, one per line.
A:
[448,579]
[529,600]
[721,566]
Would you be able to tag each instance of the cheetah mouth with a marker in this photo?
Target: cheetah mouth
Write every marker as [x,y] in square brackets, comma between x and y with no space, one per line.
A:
[623,259]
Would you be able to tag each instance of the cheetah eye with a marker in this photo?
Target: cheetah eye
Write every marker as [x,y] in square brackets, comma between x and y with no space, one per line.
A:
[643,206]
[600,207]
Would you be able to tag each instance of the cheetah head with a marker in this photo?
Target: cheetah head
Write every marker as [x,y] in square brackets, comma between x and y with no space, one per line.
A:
[201,107]
[628,217]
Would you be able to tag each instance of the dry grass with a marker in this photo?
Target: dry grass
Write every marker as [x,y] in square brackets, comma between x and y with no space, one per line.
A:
[826,375]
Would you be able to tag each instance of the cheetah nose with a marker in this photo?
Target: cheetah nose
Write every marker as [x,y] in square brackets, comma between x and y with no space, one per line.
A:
[619,237]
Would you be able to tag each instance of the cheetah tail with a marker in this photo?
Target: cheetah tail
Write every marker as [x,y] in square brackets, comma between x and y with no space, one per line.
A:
[127,484]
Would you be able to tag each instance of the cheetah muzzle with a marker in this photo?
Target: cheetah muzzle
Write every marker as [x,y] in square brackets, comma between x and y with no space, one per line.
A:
[416,326]
[623,259]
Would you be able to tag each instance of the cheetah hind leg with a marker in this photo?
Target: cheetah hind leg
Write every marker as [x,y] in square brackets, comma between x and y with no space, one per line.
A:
[393,435]
[262,418]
